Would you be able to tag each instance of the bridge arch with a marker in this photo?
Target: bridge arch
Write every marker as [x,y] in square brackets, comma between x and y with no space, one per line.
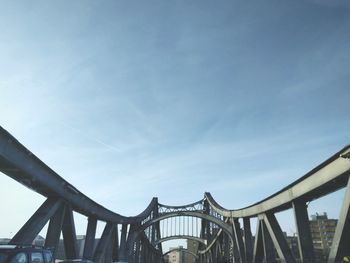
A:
[19,163]
[227,228]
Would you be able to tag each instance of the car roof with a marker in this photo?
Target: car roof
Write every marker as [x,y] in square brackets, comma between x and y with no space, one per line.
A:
[22,248]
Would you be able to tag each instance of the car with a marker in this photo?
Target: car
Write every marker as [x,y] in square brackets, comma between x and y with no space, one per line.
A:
[24,254]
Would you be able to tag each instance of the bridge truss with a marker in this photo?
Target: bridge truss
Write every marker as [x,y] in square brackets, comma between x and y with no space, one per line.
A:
[223,235]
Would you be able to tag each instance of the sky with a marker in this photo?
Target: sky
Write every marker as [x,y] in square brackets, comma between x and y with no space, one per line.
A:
[129,100]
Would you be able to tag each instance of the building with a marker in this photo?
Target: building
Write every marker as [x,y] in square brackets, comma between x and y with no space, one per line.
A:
[292,242]
[192,246]
[166,259]
[177,255]
[322,232]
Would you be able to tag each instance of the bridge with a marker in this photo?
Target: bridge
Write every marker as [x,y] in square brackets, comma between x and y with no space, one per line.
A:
[223,235]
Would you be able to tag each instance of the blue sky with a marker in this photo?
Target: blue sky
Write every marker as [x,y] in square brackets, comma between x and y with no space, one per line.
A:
[128,100]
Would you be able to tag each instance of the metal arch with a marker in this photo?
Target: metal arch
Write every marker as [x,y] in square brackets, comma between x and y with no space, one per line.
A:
[181,206]
[181,249]
[327,177]
[226,227]
[209,246]
[19,163]
[200,240]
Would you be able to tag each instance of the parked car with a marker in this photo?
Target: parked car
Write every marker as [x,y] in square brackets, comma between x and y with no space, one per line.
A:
[24,254]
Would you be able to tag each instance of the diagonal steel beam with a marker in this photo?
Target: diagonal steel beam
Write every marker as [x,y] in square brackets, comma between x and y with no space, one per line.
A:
[248,244]
[258,255]
[115,247]
[239,240]
[340,246]
[103,243]
[278,239]
[306,248]
[269,250]
[54,231]
[33,226]
[122,247]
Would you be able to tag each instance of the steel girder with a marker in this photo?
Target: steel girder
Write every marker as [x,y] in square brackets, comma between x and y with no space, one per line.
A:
[19,163]
[326,178]
[33,226]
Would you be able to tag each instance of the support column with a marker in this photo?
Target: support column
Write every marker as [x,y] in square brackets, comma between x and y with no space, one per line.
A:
[130,242]
[115,255]
[258,256]
[306,248]
[248,244]
[90,238]
[205,226]
[137,252]
[69,235]
[236,254]
[122,247]
[239,241]
[269,251]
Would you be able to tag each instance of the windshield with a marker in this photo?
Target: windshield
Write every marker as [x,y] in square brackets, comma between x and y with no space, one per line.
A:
[3,257]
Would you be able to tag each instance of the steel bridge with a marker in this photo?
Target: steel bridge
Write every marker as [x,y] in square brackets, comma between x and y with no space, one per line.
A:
[223,235]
